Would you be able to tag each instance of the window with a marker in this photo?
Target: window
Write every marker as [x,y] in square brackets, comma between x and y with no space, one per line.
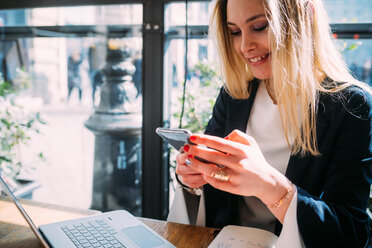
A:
[349,11]
[63,52]
[351,21]
[157,33]
[190,70]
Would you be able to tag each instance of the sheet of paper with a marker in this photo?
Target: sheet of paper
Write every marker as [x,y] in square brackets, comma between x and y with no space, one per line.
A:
[247,237]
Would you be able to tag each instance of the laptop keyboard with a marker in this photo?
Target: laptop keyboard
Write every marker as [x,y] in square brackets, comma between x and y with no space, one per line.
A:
[92,234]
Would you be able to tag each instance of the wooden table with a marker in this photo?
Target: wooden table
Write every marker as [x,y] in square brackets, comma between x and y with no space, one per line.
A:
[15,232]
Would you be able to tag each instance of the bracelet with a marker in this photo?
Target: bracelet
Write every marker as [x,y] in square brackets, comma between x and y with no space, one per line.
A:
[197,191]
[285,197]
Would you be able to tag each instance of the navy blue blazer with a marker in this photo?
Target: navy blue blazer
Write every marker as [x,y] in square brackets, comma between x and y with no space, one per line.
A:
[333,188]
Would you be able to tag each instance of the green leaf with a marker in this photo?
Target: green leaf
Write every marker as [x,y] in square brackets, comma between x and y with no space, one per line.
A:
[6,159]
[352,47]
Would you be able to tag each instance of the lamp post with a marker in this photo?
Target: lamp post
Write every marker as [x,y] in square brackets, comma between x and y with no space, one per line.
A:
[117,124]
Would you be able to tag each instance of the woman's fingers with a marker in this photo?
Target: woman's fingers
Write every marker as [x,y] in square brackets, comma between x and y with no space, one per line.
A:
[189,176]
[182,167]
[217,143]
[211,156]
[209,170]
[186,174]
[205,168]
[218,184]
[186,170]
[193,181]
[180,158]
[240,137]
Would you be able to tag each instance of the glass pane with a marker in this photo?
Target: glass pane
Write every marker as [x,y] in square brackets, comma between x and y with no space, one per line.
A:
[88,91]
[202,87]
[198,14]
[93,15]
[202,77]
[358,56]
[354,11]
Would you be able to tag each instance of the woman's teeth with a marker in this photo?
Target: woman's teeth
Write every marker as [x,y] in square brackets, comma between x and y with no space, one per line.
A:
[253,60]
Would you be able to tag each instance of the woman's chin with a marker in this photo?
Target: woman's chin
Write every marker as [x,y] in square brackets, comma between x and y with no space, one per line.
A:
[261,73]
[261,76]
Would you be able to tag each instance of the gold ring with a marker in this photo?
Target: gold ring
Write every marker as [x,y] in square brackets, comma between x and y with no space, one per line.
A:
[221,175]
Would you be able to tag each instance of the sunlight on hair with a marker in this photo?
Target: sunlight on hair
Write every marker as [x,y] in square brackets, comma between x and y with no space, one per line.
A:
[305,61]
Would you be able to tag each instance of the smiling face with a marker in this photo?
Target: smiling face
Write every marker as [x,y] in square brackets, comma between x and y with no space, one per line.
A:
[248,27]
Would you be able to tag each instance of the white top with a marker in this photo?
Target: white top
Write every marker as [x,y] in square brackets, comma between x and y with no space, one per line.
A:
[265,127]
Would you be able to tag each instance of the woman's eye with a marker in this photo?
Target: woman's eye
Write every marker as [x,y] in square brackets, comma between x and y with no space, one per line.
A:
[260,28]
[234,32]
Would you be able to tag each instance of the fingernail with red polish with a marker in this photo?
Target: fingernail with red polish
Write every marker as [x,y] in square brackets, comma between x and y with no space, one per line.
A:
[227,137]
[192,137]
[190,156]
[186,148]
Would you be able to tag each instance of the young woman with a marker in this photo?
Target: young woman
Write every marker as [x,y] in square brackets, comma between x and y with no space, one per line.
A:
[289,143]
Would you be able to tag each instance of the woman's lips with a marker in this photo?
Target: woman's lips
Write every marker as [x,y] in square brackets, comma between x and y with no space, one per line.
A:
[258,60]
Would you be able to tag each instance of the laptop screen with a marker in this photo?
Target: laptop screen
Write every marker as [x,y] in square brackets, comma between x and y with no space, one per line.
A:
[36,231]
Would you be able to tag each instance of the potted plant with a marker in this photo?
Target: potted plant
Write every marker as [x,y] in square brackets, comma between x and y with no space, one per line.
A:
[196,99]
[16,126]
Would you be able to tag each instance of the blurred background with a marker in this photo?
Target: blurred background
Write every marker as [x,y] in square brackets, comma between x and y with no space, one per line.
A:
[84,84]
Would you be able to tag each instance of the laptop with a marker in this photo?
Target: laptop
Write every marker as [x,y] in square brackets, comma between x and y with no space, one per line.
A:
[112,229]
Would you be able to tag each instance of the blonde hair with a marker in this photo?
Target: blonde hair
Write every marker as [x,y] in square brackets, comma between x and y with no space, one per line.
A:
[303,53]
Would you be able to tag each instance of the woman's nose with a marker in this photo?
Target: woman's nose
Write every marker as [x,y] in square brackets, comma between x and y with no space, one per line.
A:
[247,43]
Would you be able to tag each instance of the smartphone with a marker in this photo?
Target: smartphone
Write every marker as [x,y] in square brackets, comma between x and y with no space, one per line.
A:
[177,138]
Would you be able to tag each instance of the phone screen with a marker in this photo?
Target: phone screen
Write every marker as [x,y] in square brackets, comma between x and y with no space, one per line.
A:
[177,138]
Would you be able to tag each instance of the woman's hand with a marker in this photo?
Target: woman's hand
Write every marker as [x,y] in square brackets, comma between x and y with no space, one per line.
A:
[188,176]
[242,160]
